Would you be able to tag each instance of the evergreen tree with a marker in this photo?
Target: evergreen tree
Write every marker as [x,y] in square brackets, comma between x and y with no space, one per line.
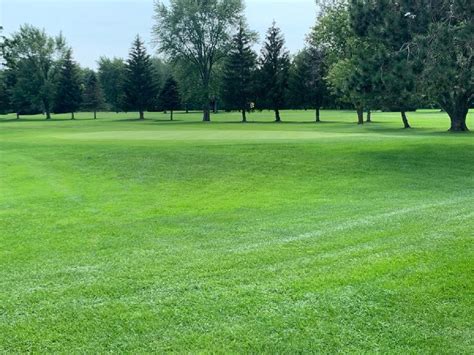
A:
[68,91]
[140,90]
[307,84]
[92,97]
[112,82]
[239,71]
[170,99]
[274,69]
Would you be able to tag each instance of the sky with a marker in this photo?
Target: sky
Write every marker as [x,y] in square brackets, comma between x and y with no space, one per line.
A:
[96,28]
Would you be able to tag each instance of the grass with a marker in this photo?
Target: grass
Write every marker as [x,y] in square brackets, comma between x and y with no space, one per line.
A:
[128,236]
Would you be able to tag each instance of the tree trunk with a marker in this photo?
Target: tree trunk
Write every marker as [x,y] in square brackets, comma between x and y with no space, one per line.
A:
[72,116]
[458,124]
[17,116]
[142,115]
[206,117]
[318,115]
[405,120]
[458,120]
[187,108]
[277,115]
[48,115]
[95,115]
[369,116]
[171,115]
[360,115]
[244,116]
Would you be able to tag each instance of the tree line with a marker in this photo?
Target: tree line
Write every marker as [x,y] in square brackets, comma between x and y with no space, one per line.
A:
[364,54]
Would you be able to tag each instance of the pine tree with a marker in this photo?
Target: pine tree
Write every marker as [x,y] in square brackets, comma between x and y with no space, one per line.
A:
[92,98]
[140,90]
[68,90]
[170,99]
[275,63]
[239,71]
[307,84]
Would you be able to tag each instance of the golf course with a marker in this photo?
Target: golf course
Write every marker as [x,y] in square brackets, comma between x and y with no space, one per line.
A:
[134,236]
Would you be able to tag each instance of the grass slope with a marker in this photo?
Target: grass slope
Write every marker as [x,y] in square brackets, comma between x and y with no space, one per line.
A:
[120,235]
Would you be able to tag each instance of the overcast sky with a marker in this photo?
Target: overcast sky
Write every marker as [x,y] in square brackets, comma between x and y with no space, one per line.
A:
[106,27]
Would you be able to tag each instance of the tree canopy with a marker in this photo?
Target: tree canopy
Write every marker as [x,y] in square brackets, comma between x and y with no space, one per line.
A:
[198,32]
[32,57]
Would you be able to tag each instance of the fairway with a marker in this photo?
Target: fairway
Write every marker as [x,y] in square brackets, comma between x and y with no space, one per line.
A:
[120,235]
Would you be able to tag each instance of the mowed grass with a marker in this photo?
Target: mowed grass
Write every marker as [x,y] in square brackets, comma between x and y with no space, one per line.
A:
[128,236]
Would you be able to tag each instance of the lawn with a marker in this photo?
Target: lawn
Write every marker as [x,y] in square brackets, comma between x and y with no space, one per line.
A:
[128,236]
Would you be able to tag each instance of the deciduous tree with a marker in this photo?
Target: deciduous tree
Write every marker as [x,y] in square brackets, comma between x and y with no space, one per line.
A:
[346,75]
[443,46]
[32,57]
[112,82]
[198,32]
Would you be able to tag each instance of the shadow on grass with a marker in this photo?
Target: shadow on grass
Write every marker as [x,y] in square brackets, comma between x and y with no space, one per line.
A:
[11,120]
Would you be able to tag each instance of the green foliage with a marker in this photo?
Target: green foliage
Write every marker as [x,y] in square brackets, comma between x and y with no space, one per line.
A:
[190,85]
[332,31]
[68,96]
[239,71]
[347,78]
[112,81]
[5,104]
[307,84]
[140,89]
[92,94]
[199,33]
[384,24]
[161,72]
[443,47]
[33,56]
[23,85]
[170,99]
[274,70]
